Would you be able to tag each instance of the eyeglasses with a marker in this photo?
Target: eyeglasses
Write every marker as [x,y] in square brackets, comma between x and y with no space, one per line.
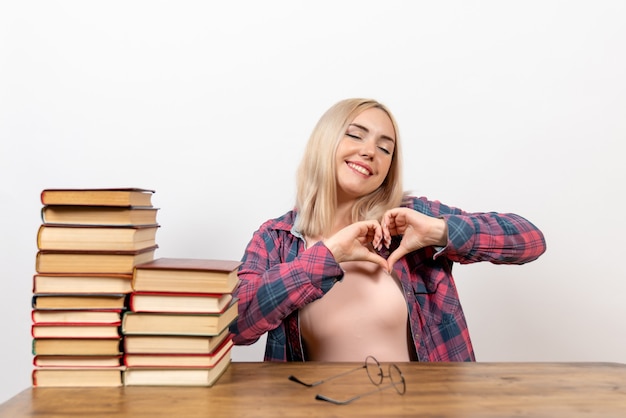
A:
[375,374]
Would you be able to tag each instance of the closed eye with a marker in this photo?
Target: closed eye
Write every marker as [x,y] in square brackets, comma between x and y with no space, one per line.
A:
[385,150]
[353,136]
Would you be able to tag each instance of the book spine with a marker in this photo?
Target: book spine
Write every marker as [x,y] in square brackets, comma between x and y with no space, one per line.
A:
[34,327]
[39,233]
[131,301]
[77,324]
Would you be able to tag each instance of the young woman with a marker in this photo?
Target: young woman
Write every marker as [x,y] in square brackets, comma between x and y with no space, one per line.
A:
[358,268]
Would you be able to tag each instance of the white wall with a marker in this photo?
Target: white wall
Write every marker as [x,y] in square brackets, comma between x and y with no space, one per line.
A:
[506,106]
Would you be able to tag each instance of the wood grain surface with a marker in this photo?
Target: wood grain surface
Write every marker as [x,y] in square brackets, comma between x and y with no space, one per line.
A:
[433,390]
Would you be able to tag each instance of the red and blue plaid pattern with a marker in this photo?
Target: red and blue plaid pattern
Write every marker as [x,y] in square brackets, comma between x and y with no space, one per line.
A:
[278,276]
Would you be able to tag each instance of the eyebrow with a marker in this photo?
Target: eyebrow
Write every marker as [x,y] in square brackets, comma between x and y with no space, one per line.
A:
[363,128]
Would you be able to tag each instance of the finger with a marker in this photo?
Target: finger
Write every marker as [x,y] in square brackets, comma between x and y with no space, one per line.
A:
[378,237]
[378,260]
[395,256]
[385,231]
[371,233]
[387,238]
[393,224]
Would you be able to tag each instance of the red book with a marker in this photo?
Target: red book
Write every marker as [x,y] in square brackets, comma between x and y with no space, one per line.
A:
[77,361]
[41,331]
[165,360]
[78,377]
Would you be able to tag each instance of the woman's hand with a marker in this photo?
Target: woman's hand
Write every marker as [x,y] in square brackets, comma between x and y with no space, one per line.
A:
[356,242]
[417,230]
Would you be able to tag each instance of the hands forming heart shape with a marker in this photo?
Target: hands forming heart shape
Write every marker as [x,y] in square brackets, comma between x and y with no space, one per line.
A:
[365,240]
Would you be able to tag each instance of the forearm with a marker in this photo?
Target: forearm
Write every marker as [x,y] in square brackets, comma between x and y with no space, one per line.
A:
[494,237]
[270,289]
[500,238]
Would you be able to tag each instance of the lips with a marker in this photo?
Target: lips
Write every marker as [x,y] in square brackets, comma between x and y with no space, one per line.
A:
[359,168]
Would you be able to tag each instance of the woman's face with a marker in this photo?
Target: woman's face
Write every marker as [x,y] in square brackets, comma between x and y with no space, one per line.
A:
[364,154]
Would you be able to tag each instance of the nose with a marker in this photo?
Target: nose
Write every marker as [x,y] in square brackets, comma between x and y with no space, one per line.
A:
[367,149]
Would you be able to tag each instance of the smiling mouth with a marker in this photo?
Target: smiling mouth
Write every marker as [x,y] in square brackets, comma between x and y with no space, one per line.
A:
[359,169]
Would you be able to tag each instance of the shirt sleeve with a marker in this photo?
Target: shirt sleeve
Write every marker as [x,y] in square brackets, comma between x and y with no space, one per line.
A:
[500,238]
[276,280]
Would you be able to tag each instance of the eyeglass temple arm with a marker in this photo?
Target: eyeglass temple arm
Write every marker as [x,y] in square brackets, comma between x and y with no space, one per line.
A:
[347,401]
[335,401]
[295,379]
[319,382]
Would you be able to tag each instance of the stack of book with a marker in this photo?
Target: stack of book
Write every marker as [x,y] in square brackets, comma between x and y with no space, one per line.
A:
[176,328]
[88,244]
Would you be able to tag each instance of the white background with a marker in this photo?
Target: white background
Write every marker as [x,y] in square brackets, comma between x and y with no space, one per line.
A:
[504,106]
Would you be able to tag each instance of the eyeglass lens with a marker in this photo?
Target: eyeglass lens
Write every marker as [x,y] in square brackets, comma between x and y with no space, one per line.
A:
[376,375]
[397,379]
[374,371]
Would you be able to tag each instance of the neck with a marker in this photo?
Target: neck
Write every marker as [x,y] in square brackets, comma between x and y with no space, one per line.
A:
[343,216]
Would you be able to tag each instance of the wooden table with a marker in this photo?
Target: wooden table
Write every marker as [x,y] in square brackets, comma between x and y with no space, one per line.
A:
[563,390]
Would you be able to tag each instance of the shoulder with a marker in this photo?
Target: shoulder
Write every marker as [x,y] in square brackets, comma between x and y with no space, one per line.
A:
[284,222]
[273,236]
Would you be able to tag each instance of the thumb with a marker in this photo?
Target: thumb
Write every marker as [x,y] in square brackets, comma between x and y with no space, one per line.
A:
[395,256]
[375,258]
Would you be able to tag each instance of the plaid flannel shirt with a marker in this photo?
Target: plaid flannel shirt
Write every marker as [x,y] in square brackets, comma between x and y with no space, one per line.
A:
[279,276]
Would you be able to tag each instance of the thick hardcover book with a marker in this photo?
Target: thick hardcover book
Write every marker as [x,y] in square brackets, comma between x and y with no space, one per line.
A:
[186,275]
[128,196]
[117,262]
[158,360]
[142,323]
[77,316]
[76,346]
[82,283]
[78,377]
[76,301]
[96,238]
[173,344]
[77,361]
[179,302]
[99,215]
[177,376]
[75,331]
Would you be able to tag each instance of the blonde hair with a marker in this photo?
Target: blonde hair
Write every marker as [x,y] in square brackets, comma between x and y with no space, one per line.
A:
[316,197]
